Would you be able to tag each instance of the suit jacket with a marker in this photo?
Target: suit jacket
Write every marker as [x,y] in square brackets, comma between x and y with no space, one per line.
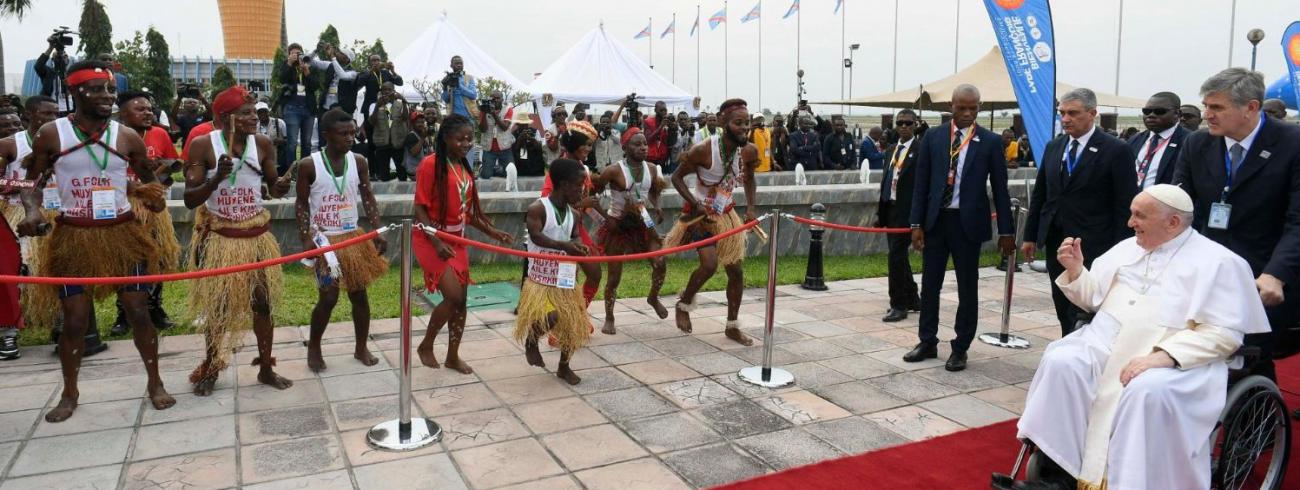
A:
[897,212]
[368,81]
[984,163]
[806,148]
[1169,160]
[1093,203]
[873,156]
[1264,226]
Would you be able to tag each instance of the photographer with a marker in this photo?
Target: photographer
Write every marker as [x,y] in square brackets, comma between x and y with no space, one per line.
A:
[608,149]
[656,134]
[295,102]
[378,72]
[341,90]
[418,143]
[390,123]
[460,90]
[273,127]
[494,127]
[191,110]
[530,159]
[51,75]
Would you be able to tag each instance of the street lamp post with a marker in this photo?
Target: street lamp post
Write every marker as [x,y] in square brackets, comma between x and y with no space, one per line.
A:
[1254,36]
[848,63]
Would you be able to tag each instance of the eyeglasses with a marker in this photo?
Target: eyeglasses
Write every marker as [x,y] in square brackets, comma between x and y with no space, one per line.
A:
[906,123]
[1159,111]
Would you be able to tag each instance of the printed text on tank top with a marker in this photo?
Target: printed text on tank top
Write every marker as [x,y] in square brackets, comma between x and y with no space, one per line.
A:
[90,172]
[239,197]
[221,149]
[334,200]
[13,170]
[552,272]
[637,186]
[716,197]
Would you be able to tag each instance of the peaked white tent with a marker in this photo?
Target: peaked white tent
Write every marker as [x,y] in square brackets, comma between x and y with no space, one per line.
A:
[600,70]
[428,57]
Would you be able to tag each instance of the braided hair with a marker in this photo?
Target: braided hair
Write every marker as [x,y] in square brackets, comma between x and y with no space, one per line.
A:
[451,125]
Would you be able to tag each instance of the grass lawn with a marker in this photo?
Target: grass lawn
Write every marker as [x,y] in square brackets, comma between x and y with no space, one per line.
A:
[300,287]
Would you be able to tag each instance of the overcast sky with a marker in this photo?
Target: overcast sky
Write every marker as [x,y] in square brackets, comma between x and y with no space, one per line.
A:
[1167,45]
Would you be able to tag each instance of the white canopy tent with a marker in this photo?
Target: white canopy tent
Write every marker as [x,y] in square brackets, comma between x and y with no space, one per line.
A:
[600,70]
[428,58]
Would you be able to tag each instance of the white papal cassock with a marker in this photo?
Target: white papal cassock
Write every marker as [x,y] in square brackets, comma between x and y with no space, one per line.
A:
[1189,297]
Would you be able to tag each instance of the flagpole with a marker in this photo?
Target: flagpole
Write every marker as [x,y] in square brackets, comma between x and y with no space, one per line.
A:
[956,42]
[842,67]
[726,58]
[894,87]
[760,55]
[651,41]
[696,28]
[674,24]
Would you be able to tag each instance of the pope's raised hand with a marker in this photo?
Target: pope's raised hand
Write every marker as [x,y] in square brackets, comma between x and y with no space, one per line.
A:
[1070,255]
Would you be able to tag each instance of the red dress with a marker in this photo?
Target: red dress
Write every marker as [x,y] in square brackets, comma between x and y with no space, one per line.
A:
[11,311]
[449,219]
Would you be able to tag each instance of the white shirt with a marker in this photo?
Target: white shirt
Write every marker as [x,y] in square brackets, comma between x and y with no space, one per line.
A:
[1154,169]
[961,165]
[901,147]
[1083,145]
[1245,143]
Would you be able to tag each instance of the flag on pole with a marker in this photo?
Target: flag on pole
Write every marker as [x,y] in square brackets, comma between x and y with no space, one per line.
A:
[718,18]
[838,4]
[753,14]
[794,8]
[644,33]
[696,26]
[672,29]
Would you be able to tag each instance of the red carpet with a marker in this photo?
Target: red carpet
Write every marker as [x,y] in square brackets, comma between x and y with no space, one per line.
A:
[963,460]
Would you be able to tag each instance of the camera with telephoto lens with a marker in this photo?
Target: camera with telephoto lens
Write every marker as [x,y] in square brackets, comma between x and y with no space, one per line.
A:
[187,90]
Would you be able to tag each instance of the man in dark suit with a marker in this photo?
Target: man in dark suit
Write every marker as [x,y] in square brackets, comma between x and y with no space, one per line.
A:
[894,212]
[1243,174]
[950,218]
[1083,190]
[378,72]
[1157,148]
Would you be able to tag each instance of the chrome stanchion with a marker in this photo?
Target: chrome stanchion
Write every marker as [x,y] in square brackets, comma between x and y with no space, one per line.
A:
[765,375]
[1004,338]
[405,433]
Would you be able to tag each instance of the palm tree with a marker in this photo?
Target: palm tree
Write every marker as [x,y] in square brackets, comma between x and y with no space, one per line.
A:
[15,8]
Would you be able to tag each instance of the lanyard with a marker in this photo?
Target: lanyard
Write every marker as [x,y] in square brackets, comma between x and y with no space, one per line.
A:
[1151,154]
[102,163]
[634,181]
[31,145]
[1071,160]
[555,213]
[340,179]
[462,188]
[223,150]
[1227,161]
[901,156]
[964,141]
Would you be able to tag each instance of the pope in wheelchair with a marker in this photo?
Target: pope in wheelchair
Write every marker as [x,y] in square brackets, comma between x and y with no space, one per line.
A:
[1130,400]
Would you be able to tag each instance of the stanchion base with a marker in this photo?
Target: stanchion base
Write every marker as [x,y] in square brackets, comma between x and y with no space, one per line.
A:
[1013,342]
[387,436]
[777,377]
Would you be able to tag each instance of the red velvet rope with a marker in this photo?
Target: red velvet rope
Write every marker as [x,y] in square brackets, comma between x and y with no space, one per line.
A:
[180,276]
[590,258]
[837,226]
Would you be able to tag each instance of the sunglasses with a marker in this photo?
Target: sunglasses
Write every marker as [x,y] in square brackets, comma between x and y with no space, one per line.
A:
[1159,111]
[906,123]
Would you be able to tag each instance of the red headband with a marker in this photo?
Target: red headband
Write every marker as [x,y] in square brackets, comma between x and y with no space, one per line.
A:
[230,100]
[87,74]
[627,135]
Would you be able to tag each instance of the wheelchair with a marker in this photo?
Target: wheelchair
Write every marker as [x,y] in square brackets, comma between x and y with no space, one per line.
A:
[1251,442]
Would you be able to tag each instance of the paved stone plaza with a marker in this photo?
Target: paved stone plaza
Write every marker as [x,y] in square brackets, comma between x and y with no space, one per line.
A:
[655,410]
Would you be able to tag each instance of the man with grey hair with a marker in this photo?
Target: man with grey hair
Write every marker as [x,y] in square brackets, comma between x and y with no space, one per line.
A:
[1275,109]
[1084,185]
[1243,173]
[1171,307]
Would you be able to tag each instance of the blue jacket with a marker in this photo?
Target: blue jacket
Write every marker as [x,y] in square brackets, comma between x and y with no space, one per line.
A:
[467,87]
[875,158]
[806,148]
[985,164]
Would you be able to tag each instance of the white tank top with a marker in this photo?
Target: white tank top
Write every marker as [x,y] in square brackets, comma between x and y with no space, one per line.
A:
[79,176]
[546,272]
[242,199]
[335,212]
[14,170]
[636,193]
[714,185]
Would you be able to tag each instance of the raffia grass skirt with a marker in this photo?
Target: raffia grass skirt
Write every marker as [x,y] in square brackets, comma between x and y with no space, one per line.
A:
[537,302]
[38,311]
[361,264]
[731,250]
[159,225]
[224,303]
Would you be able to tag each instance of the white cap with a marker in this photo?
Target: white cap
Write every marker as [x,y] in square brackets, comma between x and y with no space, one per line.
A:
[346,52]
[1172,196]
[262,105]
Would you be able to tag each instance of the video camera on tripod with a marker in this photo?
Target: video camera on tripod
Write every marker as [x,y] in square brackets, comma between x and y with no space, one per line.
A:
[62,38]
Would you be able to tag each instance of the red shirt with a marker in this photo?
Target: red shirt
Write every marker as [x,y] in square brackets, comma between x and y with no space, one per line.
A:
[426,191]
[658,150]
[159,144]
[200,130]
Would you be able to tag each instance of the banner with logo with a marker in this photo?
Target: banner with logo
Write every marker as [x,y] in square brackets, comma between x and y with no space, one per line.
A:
[1024,32]
[1291,51]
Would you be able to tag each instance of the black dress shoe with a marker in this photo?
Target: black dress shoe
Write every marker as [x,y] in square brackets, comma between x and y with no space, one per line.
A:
[916,308]
[921,352]
[956,362]
[895,315]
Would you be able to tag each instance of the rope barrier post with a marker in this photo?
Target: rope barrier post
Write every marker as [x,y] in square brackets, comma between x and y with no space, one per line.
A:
[1004,338]
[813,278]
[765,375]
[404,433]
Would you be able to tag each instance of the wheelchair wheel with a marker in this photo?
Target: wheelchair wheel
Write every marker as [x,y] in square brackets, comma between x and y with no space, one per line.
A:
[1253,440]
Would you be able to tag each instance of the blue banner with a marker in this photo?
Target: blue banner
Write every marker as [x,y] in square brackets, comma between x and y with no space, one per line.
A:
[1024,32]
[1291,51]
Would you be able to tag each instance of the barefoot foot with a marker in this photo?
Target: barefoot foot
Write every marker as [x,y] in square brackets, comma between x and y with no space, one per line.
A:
[160,398]
[61,412]
[659,308]
[533,354]
[204,386]
[314,359]
[608,329]
[363,354]
[426,356]
[683,319]
[268,377]
[735,334]
[459,365]
[567,375]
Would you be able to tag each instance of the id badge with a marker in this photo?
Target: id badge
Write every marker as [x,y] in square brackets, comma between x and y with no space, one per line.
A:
[843,152]
[1220,212]
[334,90]
[645,218]
[302,89]
[348,217]
[566,276]
[50,198]
[103,202]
